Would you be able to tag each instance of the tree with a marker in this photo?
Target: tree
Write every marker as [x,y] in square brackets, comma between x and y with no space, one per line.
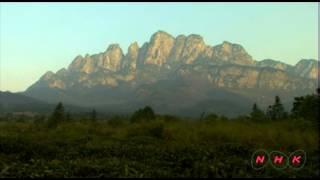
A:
[269,113]
[57,116]
[39,119]
[202,115]
[306,107]
[93,115]
[211,117]
[256,113]
[146,113]
[68,116]
[276,111]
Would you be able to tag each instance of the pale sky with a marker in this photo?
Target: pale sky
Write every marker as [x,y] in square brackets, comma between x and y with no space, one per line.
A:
[38,37]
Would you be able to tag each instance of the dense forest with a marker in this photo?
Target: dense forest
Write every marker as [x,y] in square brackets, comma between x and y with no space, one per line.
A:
[147,144]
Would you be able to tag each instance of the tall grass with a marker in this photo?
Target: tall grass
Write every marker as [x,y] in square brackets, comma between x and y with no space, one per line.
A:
[164,147]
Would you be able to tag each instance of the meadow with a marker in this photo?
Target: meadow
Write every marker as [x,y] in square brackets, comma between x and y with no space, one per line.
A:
[166,146]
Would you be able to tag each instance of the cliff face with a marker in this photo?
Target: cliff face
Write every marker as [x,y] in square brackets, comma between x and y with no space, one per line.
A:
[307,68]
[182,59]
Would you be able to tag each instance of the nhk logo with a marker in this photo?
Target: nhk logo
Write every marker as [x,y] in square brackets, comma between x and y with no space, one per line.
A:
[279,160]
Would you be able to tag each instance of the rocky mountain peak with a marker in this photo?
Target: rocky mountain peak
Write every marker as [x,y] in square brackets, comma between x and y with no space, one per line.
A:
[78,57]
[169,68]
[176,52]
[195,37]
[48,75]
[76,64]
[226,47]
[193,47]
[306,62]
[114,52]
[274,64]
[181,36]
[162,56]
[111,58]
[134,47]
[159,48]
[160,35]
[307,68]
[62,72]
[232,53]
[113,47]
[130,60]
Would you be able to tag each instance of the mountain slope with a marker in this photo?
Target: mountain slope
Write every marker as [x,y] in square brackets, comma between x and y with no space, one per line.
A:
[10,102]
[167,67]
[17,102]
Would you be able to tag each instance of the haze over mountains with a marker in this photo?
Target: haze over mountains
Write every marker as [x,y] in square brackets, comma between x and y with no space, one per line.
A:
[22,104]
[176,75]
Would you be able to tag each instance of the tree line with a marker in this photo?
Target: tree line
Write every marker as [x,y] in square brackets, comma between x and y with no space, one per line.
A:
[304,107]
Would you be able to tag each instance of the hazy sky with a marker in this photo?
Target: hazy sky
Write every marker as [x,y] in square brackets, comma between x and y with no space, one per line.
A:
[37,37]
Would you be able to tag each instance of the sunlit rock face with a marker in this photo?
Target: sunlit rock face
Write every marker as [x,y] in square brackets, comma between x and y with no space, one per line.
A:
[307,68]
[159,48]
[275,64]
[111,58]
[232,53]
[129,62]
[193,47]
[184,59]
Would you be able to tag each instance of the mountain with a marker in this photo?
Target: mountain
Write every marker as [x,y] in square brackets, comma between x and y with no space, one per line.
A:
[307,68]
[175,75]
[17,102]
[275,64]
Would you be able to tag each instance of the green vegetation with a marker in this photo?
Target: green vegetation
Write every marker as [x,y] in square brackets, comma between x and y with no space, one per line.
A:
[276,111]
[143,114]
[306,107]
[94,115]
[57,116]
[257,114]
[151,145]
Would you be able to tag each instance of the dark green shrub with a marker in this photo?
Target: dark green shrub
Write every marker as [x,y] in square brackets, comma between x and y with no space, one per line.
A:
[211,117]
[276,111]
[306,107]
[116,121]
[94,115]
[170,118]
[146,113]
[57,116]
[39,119]
[257,114]
[157,131]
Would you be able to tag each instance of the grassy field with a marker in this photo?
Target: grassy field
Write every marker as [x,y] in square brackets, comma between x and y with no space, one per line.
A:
[164,147]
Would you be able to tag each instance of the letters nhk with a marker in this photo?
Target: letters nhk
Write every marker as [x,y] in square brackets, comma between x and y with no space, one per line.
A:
[278,159]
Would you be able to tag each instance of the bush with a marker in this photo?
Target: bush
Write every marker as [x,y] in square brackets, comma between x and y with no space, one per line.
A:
[146,113]
[211,117]
[116,121]
[151,148]
[257,114]
[306,107]
[39,119]
[170,118]
[154,129]
[57,116]
[157,131]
